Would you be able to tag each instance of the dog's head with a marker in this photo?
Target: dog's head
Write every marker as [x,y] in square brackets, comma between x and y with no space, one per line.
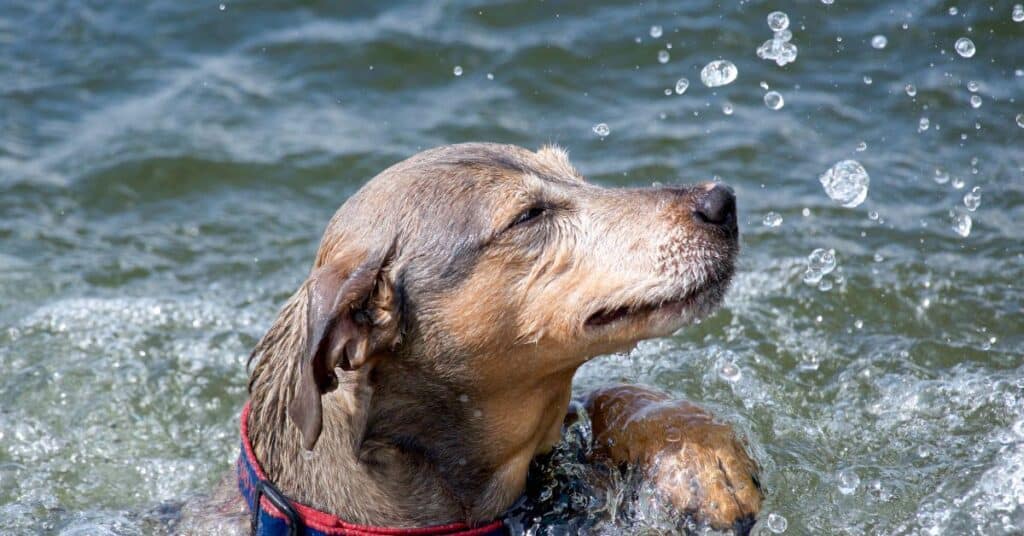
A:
[490,265]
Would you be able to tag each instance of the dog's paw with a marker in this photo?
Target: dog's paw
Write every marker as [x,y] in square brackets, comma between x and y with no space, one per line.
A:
[697,464]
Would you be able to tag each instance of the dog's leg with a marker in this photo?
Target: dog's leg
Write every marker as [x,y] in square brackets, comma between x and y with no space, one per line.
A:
[698,465]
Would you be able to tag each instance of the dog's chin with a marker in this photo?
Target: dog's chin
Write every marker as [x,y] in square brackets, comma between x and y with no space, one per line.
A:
[658,317]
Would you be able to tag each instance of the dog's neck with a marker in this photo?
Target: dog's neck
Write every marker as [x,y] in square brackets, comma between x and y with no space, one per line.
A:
[399,447]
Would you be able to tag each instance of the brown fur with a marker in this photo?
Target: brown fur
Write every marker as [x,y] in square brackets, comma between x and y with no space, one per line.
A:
[430,354]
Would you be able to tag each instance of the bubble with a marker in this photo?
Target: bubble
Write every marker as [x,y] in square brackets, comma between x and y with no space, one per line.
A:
[972,199]
[941,177]
[975,101]
[602,129]
[774,100]
[847,481]
[867,80]
[879,42]
[911,90]
[923,124]
[825,285]
[961,223]
[463,398]
[820,263]
[727,108]
[965,47]
[828,2]
[778,21]
[957,183]
[663,56]
[859,324]
[846,183]
[222,7]
[656,31]
[490,76]
[718,73]
[862,146]
[457,71]
[772,219]
[953,11]
[776,523]
[1018,13]
[822,260]
[730,372]
[972,86]
[682,85]
[778,48]
[872,215]
[1020,120]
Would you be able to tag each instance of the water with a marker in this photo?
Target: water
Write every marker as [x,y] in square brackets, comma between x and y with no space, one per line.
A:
[846,183]
[718,73]
[166,171]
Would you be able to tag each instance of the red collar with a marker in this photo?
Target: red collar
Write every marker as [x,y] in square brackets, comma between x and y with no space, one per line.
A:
[278,514]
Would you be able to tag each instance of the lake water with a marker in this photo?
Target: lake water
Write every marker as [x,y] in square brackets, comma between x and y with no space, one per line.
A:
[166,169]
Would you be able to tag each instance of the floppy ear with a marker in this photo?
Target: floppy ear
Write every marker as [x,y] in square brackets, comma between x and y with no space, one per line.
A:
[341,331]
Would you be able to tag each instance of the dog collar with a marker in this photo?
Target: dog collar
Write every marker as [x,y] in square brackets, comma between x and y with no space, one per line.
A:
[272,513]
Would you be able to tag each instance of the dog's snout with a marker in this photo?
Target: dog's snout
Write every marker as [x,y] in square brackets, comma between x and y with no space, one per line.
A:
[716,206]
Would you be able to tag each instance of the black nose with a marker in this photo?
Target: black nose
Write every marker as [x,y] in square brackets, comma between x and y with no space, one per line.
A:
[717,206]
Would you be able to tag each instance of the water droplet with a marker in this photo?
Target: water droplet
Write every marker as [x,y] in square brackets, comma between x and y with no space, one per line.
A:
[222,7]
[778,21]
[957,183]
[923,124]
[727,108]
[825,285]
[828,2]
[730,372]
[972,199]
[463,398]
[953,11]
[663,56]
[961,223]
[867,80]
[1020,120]
[806,212]
[859,324]
[477,413]
[602,129]
[847,481]
[872,215]
[776,523]
[941,177]
[879,42]
[764,85]
[656,31]
[862,146]
[490,76]
[772,219]
[972,86]
[822,260]
[1018,13]
[718,73]
[911,90]
[681,86]
[975,101]
[965,47]
[846,183]
[779,49]
[774,100]
[457,71]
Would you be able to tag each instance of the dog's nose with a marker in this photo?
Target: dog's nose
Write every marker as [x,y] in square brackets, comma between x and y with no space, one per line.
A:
[717,206]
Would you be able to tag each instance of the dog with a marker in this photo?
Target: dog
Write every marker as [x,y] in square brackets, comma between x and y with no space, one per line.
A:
[429,356]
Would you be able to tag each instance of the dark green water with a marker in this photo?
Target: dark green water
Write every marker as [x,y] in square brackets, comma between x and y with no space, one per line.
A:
[166,169]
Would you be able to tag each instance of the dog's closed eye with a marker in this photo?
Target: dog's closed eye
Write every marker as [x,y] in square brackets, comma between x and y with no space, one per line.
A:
[528,215]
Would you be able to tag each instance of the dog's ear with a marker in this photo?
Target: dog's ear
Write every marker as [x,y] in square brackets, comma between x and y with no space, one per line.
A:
[348,322]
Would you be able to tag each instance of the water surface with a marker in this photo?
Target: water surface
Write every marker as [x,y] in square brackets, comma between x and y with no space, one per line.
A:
[166,169]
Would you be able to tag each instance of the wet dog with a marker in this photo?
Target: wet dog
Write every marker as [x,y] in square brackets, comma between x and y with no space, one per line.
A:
[429,356]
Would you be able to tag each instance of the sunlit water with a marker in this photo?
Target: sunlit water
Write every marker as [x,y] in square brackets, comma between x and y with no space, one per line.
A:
[166,169]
